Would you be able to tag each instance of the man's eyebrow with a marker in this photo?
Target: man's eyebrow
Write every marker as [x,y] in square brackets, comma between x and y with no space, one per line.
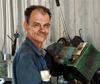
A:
[39,23]
[35,22]
[47,23]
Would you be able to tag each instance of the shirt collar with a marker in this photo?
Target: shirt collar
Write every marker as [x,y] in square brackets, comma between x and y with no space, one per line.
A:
[34,47]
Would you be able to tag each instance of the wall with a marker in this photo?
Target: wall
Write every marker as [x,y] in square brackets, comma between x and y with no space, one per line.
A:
[77,14]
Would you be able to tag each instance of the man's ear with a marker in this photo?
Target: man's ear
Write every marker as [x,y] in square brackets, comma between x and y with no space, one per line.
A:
[25,25]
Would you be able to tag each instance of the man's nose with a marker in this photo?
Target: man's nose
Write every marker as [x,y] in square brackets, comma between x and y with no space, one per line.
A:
[42,27]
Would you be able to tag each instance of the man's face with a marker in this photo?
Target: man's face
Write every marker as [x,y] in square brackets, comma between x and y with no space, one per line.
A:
[38,27]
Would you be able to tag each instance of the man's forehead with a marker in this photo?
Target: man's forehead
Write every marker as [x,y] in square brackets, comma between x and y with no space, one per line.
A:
[39,11]
[37,14]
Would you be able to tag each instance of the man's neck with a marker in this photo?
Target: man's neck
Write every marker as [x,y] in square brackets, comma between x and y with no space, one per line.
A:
[38,44]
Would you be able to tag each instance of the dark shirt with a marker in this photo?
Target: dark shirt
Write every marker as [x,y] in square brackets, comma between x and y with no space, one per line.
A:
[27,64]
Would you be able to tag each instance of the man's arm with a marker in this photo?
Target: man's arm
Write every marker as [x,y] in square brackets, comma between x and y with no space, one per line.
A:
[27,71]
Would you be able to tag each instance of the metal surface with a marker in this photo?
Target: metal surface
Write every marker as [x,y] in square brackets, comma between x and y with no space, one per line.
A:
[65,54]
[86,64]
[3,68]
[80,48]
[1,56]
[80,65]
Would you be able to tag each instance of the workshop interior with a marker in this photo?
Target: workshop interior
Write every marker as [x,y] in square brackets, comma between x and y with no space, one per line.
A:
[72,48]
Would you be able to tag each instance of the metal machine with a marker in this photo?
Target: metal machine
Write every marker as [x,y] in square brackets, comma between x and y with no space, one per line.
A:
[73,59]
[80,63]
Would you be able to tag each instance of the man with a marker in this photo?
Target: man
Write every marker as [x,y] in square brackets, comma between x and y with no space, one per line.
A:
[29,63]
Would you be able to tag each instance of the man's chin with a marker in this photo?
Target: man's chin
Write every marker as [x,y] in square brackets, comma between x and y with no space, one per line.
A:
[41,40]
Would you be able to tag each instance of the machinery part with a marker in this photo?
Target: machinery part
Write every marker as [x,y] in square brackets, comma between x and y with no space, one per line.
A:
[61,80]
[80,32]
[63,21]
[10,38]
[80,63]
[2,81]
[76,41]
[63,40]
[52,51]
[1,56]
[16,35]
[5,80]
[64,55]
[57,2]
[3,68]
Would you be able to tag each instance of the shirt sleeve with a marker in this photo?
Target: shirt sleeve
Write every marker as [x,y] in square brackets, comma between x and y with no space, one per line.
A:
[27,71]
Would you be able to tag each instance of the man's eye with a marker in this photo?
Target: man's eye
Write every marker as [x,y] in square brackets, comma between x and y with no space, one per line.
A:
[36,25]
[46,26]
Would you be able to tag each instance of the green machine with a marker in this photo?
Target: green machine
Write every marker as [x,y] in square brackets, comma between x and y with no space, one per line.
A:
[80,63]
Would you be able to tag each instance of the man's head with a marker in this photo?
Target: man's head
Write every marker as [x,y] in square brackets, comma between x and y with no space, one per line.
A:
[37,22]
[40,8]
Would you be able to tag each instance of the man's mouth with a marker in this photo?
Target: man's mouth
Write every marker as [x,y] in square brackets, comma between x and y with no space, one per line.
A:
[42,34]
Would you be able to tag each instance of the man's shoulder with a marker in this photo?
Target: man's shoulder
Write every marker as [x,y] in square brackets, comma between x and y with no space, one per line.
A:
[24,52]
[24,49]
